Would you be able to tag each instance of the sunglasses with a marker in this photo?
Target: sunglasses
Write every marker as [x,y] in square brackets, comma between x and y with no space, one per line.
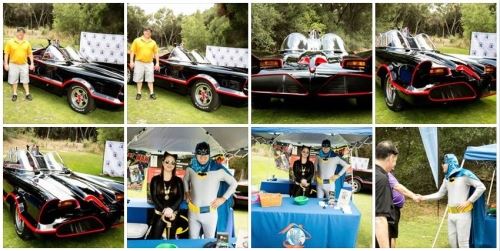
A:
[169,162]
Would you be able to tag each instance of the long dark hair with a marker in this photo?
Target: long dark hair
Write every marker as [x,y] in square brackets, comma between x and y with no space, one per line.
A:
[165,155]
[309,155]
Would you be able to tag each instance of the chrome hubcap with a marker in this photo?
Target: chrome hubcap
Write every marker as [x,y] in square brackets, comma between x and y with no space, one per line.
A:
[390,92]
[19,222]
[203,94]
[79,97]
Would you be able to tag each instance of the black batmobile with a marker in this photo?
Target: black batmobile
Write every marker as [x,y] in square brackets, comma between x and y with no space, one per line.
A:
[207,84]
[412,71]
[312,68]
[46,198]
[63,71]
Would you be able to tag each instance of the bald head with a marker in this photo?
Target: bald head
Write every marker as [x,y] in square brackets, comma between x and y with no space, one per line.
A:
[384,149]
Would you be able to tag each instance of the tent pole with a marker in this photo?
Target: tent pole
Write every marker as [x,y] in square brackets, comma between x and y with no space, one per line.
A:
[439,228]
[491,187]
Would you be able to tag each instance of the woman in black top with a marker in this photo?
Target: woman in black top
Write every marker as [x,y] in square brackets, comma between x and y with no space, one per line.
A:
[167,193]
[303,172]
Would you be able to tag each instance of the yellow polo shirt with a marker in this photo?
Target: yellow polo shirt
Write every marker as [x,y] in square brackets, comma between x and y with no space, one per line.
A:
[18,51]
[144,49]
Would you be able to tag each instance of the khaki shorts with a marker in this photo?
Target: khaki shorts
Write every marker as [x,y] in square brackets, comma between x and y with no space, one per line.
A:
[143,72]
[18,73]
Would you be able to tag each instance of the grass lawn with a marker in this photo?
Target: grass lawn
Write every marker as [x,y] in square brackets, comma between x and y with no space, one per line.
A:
[337,112]
[264,167]
[174,108]
[81,162]
[418,226]
[49,108]
[482,111]
[240,214]
[454,50]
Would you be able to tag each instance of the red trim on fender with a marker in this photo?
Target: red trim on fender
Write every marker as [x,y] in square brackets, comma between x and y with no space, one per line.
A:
[26,221]
[97,202]
[452,99]
[92,93]
[43,208]
[47,80]
[400,88]
[178,81]
[468,71]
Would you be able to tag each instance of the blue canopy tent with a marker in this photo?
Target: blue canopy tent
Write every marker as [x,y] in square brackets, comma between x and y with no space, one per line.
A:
[483,234]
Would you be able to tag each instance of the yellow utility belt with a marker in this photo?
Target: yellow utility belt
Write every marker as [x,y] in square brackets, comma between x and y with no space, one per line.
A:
[323,181]
[455,210]
[200,210]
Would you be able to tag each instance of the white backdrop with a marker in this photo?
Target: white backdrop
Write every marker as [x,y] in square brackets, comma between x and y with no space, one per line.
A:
[483,44]
[113,159]
[103,48]
[227,56]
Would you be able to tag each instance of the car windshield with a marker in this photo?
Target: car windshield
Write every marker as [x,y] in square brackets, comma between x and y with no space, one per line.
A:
[425,42]
[199,58]
[180,55]
[53,161]
[294,42]
[54,54]
[74,55]
[332,43]
[393,39]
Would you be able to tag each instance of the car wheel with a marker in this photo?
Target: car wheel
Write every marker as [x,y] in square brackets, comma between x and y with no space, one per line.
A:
[21,230]
[356,185]
[204,96]
[365,102]
[79,99]
[391,96]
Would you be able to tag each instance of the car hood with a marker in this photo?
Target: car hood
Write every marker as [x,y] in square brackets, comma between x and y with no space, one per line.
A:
[103,70]
[66,186]
[222,69]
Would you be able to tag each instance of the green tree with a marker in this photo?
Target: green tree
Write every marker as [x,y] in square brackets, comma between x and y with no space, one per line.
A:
[109,133]
[478,17]
[195,34]
[136,20]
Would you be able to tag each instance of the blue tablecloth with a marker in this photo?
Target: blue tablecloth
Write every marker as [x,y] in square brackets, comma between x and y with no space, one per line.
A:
[490,238]
[283,186]
[198,243]
[328,227]
[138,209]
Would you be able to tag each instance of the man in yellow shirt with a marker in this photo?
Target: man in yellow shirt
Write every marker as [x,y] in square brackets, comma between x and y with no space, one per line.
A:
[16,53]
[142,52]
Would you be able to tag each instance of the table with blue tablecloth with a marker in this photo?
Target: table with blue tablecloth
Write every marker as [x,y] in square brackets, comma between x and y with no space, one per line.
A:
[489,239]
[329,228]
[284,186]
[185,243]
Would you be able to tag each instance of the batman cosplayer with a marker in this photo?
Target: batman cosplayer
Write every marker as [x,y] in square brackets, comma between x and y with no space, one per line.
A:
[209,188]
[329,168]
[464,190]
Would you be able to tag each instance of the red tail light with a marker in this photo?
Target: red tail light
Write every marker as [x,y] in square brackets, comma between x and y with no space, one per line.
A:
[271,63]
[440,71]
